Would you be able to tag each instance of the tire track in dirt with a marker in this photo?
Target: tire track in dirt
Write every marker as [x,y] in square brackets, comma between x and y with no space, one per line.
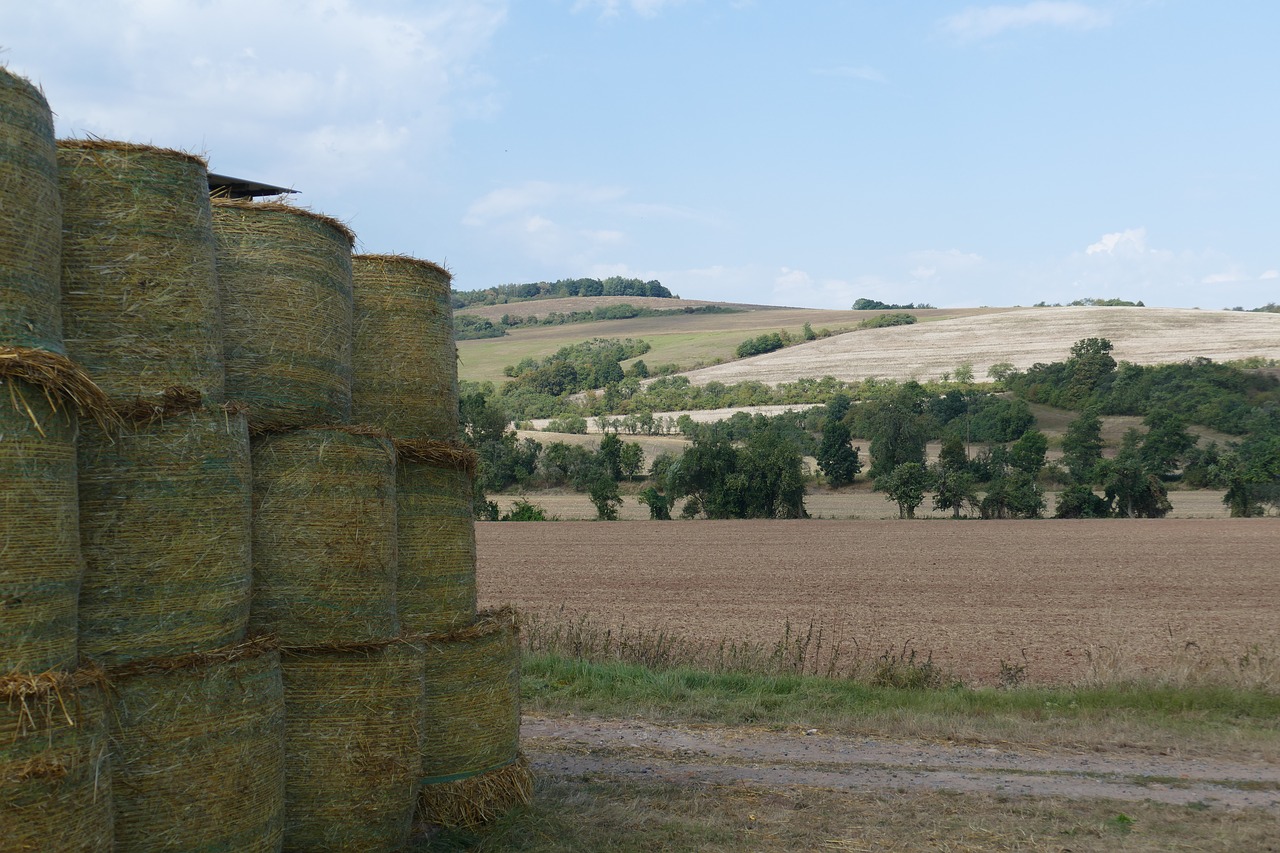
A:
[690,755]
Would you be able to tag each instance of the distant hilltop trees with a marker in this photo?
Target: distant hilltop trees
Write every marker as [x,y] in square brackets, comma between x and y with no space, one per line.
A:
[1102,303]
[876,305]
[612,286]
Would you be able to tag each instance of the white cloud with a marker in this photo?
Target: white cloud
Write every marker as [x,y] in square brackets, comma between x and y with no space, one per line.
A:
[1131,241]
[511,201]
[1269,275]
[612,8]
[860,72]
[981,22]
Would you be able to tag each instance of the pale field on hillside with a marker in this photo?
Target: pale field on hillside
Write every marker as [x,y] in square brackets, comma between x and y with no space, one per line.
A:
[687,340]
[1020,337]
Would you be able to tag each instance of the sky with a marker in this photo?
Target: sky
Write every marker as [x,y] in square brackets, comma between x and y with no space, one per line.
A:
[785,152]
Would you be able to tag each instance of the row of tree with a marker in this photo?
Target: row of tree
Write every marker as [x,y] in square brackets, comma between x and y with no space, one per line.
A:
[566,287]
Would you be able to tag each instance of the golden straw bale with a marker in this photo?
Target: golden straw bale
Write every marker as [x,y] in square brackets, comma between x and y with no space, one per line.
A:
[353,735]
[436,589]
[197,751]
[405,360]
[40,562]
[324,537]
[165,528]
[55,778]
[285,274]
[471,763]
[140,304]
[30,218]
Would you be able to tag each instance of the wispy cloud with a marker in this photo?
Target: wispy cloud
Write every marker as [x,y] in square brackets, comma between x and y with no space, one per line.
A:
[852,72]
[613,8]
[983,22]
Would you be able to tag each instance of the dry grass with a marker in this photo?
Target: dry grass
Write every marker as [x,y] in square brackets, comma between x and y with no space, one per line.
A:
[30,218]
[436,587]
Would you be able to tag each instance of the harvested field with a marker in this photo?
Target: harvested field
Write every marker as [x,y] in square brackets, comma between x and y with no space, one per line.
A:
[1022,338]
[1081,599]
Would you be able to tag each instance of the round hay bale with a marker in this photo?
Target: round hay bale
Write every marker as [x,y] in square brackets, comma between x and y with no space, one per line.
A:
[436,587]
[197,751]
[471,764]
[353,731]
[324,537]
[40,562]
[55,778]
[285,275]
[30,219]
[165,529]
[140,305]
[405,362]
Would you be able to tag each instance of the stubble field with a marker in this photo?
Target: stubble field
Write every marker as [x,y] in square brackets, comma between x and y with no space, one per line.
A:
[1067,600]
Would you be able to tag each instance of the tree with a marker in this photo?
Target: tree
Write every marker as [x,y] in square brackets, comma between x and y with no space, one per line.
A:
[630,459]
[1079,501]
[659,504]
[1130,487]
[837,458]
[1089,365]
[1028,452]
[905,485]
[898,427]
[953,483]
[604,494]
[1082,446]
[1166,442]
[964,372]
[1012,494]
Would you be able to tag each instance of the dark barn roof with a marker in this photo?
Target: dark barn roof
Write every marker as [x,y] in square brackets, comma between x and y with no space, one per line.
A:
[225,186]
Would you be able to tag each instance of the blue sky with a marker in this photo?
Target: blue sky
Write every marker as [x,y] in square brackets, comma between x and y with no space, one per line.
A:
[792,153]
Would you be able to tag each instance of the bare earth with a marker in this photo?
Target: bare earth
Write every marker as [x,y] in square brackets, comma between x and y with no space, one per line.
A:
[1067,594]
[1021,337]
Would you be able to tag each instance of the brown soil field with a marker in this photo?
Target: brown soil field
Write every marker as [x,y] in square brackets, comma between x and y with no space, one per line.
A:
[1022,338]
[1073,600]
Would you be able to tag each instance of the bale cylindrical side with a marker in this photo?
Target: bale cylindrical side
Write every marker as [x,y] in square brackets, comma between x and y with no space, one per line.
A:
[165,527]
[285,275]
[40,562]
[197,752]
[30,219]
[324,537]
[471,764]
[405,361]
[436,586]
[55,777]
[352,744]
[140,305]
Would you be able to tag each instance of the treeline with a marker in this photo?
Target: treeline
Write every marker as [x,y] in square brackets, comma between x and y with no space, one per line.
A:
[1087,301]
[612,286]
[876,305]
[470,327]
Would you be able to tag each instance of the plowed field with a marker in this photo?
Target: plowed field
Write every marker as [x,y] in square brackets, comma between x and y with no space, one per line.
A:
[1072,595]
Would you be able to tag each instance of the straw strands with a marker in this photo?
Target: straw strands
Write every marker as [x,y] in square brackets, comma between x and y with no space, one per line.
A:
[285,275]
[471,764]
[30,218]
[139,287]
[165,528]
[324,537]
[436,532]
[353,735]
[198,751]
[405,359]
[40,562]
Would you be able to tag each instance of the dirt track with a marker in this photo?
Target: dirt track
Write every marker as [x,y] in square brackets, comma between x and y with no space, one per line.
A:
[1071,594]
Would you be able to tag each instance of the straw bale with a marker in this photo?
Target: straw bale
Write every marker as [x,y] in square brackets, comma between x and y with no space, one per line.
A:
[353,735]
[324,537]
[30,218]
[55,778]
[405,361]
[471,764]
[139,286]
[436,589]
[198,751]
[165,529]
[285,274]
[40,562]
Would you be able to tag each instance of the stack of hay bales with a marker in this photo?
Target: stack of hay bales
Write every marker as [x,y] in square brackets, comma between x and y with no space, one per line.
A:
[405,380]
[324,531]
[165,508]
[55,790]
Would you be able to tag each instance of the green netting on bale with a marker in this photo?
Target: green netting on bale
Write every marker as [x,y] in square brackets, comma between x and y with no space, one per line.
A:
[436,589]
[30,219]
[471,768]
[285,275]
[324,537]
[197,752]
[55,778]
[140,305]
[405,362]
[353,736]
[165,528]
